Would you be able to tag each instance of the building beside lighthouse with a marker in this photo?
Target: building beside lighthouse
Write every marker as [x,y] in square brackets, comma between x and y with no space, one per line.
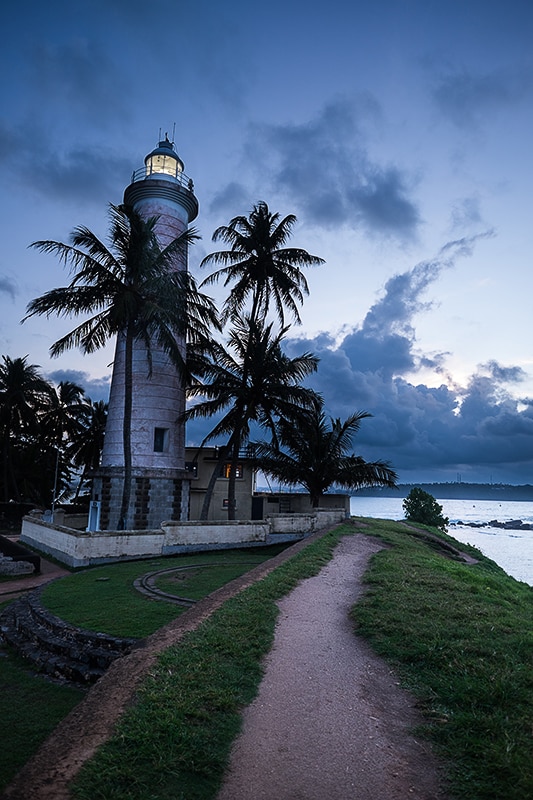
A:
[160,482]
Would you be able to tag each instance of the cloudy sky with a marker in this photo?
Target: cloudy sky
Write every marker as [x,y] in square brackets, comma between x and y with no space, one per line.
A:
[398,131]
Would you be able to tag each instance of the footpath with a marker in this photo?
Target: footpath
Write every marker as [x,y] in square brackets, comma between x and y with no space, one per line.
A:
[330,720]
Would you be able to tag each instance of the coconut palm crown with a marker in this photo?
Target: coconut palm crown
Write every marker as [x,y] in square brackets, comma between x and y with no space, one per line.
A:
[313,451]
[251,380]
[259,266]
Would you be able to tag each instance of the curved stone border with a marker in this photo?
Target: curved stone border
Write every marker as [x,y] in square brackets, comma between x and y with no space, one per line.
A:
[58,648]
[146,583]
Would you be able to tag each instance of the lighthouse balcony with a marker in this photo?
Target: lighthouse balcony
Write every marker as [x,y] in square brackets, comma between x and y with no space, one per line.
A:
[169,173]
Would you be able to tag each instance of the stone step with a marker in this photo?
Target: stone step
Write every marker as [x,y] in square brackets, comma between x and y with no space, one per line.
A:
[94,640]
[57,648]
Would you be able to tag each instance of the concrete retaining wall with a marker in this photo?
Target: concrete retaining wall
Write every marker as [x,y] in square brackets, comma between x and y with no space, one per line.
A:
[81,549]
[195,532]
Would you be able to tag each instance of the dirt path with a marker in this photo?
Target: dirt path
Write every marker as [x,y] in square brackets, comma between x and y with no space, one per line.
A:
[330,720]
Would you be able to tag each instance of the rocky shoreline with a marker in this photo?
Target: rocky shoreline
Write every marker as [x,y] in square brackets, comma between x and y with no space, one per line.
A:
[510,525]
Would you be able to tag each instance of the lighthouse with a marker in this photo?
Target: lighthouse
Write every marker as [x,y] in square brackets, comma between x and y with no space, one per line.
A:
[160,482]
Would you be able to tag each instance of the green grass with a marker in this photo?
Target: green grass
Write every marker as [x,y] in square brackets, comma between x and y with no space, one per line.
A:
[100,599]
[30,709]
[104,599]
[199,581]
[175,742]
[461,637]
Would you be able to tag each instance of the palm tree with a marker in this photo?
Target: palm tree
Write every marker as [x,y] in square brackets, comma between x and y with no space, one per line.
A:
[63,418]
[259,265]
[313,451]
[85,447]
[261,268]
[61,422]
[24,395]
[129,289]
[250,380]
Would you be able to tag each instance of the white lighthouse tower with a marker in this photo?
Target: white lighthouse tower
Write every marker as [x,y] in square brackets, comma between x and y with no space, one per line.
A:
[160,483]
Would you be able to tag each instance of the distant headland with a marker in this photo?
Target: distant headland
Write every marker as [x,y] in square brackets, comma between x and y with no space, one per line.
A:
[455,491]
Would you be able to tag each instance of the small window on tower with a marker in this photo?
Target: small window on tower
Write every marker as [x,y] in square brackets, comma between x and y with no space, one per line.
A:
[161,440]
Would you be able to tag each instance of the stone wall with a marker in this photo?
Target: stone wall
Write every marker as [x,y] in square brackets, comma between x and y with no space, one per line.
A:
[80,549]
[11,568]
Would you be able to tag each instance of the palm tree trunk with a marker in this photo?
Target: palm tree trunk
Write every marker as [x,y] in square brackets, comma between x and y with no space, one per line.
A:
[213,479]
[6,471]
[232,506]
[11,490]
[80,483]
[126,428]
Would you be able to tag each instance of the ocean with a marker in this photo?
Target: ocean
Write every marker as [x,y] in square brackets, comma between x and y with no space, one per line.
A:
[511,549]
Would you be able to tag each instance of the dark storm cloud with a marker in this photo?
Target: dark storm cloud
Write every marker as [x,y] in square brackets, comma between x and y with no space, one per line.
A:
[479,429]
[79,78]
[324,166]
[8,286]
[84,174]
[507,374]
[233,196]
[465,97]
[95,388]
[79,172]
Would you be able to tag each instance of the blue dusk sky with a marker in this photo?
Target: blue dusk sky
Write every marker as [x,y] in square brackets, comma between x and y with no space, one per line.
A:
[398,131]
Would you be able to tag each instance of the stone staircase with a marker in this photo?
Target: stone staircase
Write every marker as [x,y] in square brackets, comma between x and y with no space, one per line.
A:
[55,647]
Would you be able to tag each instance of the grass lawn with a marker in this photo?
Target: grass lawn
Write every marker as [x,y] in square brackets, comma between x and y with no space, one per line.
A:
[30,708]
[461,637]
[104,598]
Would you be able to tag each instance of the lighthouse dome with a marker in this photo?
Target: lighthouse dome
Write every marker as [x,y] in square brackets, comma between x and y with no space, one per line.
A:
[163,161]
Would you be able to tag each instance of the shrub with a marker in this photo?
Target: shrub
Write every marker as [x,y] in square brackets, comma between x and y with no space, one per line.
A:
[420,506]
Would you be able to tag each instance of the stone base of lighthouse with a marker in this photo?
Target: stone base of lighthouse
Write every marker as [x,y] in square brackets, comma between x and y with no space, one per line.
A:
[156,495]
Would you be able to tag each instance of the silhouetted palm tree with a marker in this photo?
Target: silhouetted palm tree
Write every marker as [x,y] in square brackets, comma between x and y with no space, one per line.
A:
[260,269]
[259,266]
[129,289]
[249,380]
[62,419]
[24,396]
[85,447]
[313,451]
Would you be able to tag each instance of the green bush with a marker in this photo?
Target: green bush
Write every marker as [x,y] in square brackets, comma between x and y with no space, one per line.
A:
[420,506]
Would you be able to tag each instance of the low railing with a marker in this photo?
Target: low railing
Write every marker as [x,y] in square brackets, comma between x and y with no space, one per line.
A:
[180,178]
